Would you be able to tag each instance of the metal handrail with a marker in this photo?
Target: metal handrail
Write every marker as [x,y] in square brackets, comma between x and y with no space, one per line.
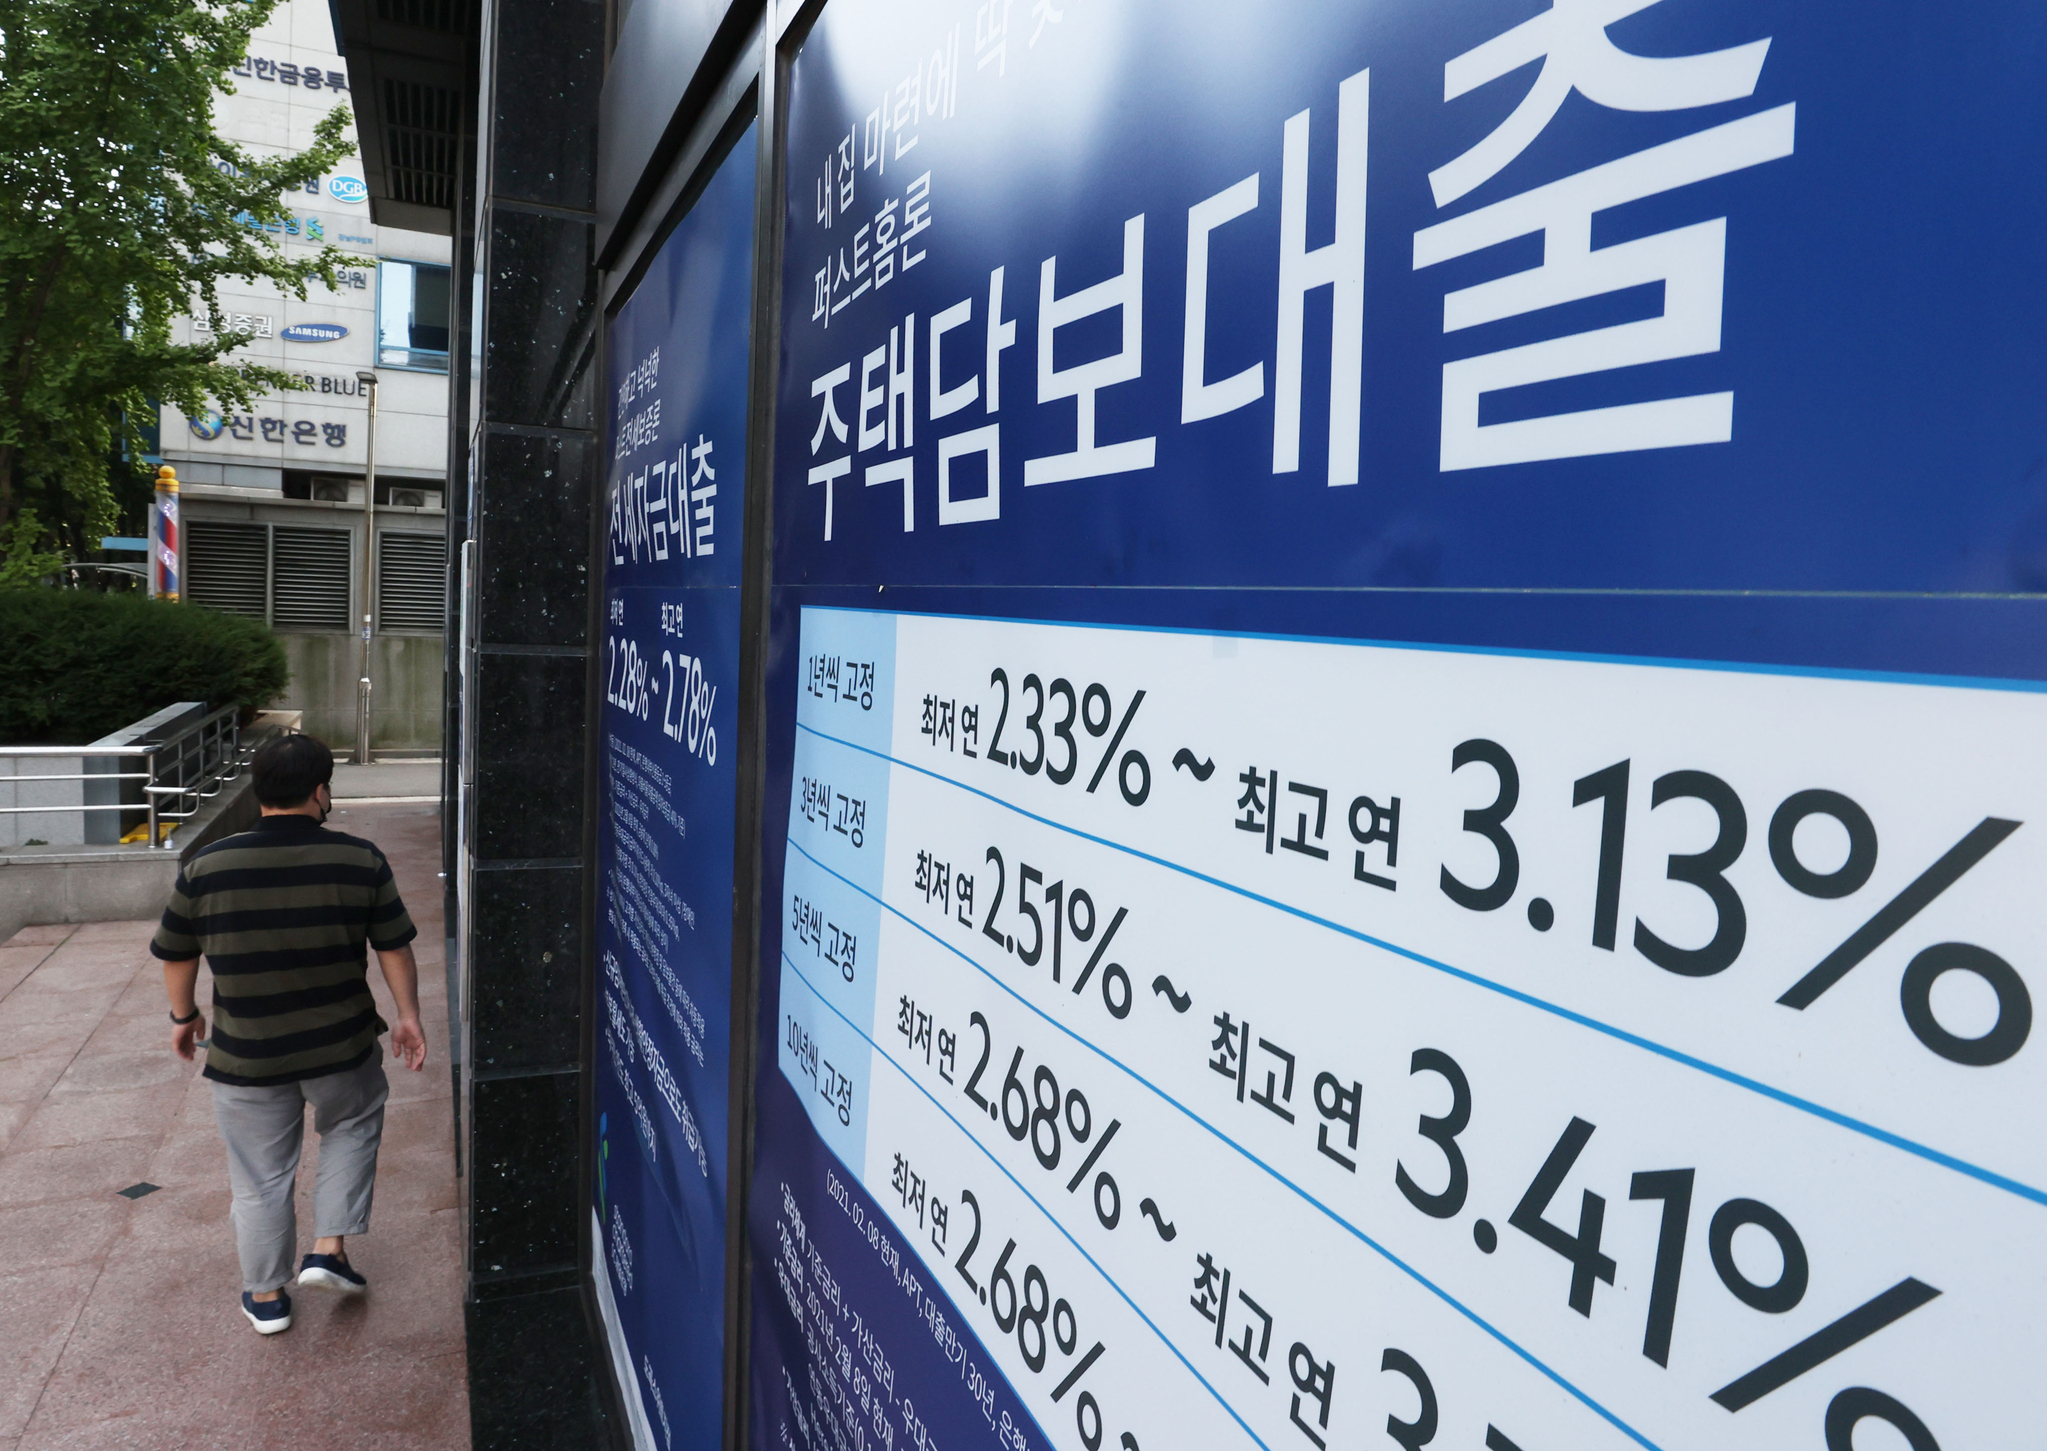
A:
[220,758]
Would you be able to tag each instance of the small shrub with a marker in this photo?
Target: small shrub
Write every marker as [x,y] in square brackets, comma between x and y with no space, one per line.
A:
[76,665]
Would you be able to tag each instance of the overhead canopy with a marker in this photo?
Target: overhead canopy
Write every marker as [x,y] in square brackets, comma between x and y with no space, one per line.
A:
[408,67]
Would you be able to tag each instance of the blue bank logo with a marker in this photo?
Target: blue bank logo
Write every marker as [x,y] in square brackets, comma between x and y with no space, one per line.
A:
[348,189]
[314,332]
[207,425]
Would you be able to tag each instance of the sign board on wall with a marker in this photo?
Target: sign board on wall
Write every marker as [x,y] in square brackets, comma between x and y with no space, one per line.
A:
[1402,723]
[675,490]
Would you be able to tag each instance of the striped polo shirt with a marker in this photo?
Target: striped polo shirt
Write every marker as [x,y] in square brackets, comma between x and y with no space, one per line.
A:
[282,913]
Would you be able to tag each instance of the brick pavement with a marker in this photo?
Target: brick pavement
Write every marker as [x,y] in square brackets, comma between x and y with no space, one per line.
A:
[122,1321]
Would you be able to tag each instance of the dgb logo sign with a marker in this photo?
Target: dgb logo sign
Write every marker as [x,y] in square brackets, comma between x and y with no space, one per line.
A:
[348,189]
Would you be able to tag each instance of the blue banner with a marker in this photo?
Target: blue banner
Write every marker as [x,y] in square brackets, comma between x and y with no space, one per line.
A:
[678,350]
[1406,645]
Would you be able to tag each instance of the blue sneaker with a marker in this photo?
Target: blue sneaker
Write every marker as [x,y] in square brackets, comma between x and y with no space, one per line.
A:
[268,1316]
[331,1272]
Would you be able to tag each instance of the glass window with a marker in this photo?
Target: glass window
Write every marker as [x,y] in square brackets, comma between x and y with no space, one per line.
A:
[412,315]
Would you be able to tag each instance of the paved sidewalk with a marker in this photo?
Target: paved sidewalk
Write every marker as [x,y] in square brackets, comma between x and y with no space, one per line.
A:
[119,1319]
[384,779]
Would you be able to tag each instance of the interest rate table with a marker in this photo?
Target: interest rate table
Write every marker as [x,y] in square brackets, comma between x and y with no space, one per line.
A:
[1260,1038]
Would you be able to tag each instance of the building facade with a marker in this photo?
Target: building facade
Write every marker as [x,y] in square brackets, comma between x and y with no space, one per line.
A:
[273,494]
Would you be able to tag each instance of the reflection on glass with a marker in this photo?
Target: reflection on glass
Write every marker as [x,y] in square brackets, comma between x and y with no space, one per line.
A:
[412,315]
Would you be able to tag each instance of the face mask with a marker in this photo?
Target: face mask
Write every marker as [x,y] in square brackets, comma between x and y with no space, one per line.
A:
[327,808]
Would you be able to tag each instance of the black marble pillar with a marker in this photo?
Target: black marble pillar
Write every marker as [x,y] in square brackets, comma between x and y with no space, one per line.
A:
[534,484]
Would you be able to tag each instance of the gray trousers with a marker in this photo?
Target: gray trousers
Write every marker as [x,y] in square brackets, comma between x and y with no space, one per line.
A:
[264,1129]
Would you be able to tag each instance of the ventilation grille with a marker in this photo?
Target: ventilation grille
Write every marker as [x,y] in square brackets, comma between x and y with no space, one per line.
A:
[446,16]
[412,582]
[312,580]
[226,566]
[421,143]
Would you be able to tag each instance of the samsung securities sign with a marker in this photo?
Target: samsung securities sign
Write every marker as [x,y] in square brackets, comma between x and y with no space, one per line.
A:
[348,189]
[314,332]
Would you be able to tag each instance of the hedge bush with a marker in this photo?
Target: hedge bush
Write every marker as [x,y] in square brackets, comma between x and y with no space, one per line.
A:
[76,665]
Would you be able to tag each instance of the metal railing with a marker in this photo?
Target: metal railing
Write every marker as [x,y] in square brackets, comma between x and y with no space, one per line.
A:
[178,773]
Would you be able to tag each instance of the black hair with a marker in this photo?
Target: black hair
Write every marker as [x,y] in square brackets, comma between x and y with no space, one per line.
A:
[289,769]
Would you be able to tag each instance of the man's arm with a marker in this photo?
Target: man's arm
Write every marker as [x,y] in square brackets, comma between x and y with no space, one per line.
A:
[181,981]
[401,971]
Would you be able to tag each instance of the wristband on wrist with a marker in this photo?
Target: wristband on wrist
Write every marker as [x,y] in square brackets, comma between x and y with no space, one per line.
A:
[187,1018]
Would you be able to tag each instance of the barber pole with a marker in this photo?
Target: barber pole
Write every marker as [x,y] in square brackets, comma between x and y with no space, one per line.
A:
[163,541]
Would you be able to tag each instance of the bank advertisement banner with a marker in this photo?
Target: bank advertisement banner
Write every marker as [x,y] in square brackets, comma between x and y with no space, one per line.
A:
[1403,783]
[678,352]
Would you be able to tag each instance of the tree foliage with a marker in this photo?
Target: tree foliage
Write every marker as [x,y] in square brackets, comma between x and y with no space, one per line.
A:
[121,210]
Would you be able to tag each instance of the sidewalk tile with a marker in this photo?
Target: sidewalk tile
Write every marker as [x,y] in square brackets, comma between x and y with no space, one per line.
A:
[16,963]
[32,1004]
[135,1034]
[70,968]
[123,1070]
[42,1306]
[46,1236]
[46,936]
[59,1035]
[85,1118]
[133,933]
[70,1173]
[29,1078]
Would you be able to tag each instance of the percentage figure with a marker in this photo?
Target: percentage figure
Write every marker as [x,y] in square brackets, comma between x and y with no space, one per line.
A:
[1040,1322]
[1105,1182]
[1080,1369]
[1072,912]
[1112,974]
[1087,1411]
[1853,1328]
[626,682]
[2014,1004]
[1135,796]
[688,716]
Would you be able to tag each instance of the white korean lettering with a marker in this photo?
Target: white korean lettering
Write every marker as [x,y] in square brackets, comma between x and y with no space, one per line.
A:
[991,36]
[1045,13]
[899,471]
[1199,399]
[871,434]
[1338,265]
[829,417]
[1001,335]
[1571,42]
[832,470]
[657,529]
[987,441]
[902,385]
[951,400]
[827,474]
[1125,292]
[702,489]
[1689,262]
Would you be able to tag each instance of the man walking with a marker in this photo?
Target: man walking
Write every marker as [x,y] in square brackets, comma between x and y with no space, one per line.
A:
[282,913]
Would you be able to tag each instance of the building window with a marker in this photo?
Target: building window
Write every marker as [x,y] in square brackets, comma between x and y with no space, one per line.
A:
[412,582]
[295,579]
[412,315]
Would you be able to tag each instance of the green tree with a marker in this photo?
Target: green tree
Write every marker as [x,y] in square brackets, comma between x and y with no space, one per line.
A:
[121,209]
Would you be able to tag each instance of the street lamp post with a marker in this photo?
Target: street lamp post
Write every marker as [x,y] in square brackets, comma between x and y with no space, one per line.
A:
[369,535]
